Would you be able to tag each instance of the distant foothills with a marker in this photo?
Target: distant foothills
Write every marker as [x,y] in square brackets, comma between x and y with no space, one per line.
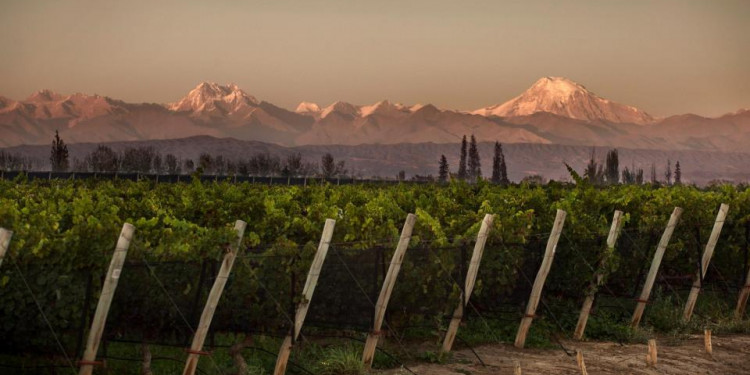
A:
[556,121]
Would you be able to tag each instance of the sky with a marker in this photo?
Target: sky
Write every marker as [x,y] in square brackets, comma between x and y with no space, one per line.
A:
[664,56]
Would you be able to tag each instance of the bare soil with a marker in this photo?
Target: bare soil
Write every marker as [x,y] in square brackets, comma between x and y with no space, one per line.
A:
[684,356]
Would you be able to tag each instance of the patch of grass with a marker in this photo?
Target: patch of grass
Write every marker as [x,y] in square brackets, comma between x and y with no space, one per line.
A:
[340,360]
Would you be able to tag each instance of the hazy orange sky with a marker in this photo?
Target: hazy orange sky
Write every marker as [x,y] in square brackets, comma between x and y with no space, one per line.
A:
[666,57]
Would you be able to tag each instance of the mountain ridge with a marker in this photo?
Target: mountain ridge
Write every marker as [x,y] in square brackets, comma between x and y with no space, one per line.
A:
[552,110]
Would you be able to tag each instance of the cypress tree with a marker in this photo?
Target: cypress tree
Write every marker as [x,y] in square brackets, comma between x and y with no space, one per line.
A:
[475,167]
[59,155]
[496,164]
[593,172]
[612,171]
[443,171]
[462,161]
[499,169]
[677,174]
[503,168]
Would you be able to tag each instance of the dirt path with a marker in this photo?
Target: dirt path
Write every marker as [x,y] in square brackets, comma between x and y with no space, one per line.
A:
[731,355]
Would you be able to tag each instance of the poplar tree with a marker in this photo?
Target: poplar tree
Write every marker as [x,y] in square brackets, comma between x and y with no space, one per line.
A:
[443,171]
[59,155]
[462,161]
[499,169]
[612,170]
[475,167]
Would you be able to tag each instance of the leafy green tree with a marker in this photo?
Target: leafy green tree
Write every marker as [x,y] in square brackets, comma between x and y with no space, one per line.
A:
[59,155]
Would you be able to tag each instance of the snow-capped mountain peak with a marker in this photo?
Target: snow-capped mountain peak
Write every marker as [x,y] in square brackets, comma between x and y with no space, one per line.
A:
[44,96]
[307,107]
[210,97]
[340,107]
[564,97]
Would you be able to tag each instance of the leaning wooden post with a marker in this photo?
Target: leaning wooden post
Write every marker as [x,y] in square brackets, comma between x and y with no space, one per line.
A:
[614,232]
[307,293]
[658,255]
[742,300]
[385,292]
[471,277]
[196,348]
[5,236]
[541,276]
[707,253]
[105,300]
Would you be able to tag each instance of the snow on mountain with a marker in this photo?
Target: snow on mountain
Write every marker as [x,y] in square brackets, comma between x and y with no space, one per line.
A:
[342,108]
[564,97]
[307,107]
[553,110]
[211,98]
[44,96]
[385,108]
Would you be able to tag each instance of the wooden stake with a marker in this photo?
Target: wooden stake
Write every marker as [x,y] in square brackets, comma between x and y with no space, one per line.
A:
[541,276]
[105,300]
[5,236]
[213,300]
[658,255]
[581,363]
[385,292]
[651,356]
[614,232]
[742,300]
[707,341]
[471,277]
[307,293]
[707,253]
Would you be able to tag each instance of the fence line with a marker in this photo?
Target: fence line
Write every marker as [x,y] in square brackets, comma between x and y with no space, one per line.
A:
[481,307]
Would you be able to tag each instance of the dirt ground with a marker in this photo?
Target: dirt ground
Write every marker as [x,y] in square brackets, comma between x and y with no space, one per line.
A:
[731,355]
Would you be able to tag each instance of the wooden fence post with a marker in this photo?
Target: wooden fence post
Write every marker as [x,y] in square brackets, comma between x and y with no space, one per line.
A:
[614,232]
[105,300]
[655,263]
[191,364]
[471,277]
[707,253]
[307,293]
[742,300]
[541,276]
[5,236]
[652,356]
[385,292]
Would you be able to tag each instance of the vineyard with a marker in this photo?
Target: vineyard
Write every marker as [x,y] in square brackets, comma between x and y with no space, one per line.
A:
[64,233]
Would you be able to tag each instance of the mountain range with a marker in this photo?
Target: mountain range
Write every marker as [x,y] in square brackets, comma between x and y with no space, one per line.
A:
[553,110]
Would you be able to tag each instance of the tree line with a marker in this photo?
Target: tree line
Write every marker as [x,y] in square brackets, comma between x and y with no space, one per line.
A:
[147,160]
[609,173]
